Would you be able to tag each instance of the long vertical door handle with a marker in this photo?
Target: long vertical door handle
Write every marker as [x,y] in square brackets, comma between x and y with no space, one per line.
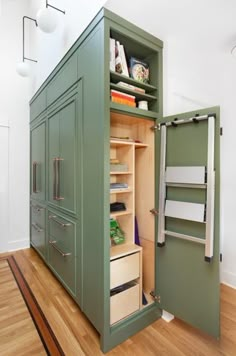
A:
[55,178]
[59,197]
[35,177]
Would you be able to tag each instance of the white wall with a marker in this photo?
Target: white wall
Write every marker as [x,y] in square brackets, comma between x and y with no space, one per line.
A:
[14,112]
[49,49]
[4,190]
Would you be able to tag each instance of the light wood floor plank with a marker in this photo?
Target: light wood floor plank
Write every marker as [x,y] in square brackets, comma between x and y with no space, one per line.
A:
[18,335]
[78,337]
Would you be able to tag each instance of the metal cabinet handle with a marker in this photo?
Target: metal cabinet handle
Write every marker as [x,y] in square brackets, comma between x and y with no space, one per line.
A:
[36,227]
[37,208]
[35,177]
[56,178]
[53,217]
[63,254]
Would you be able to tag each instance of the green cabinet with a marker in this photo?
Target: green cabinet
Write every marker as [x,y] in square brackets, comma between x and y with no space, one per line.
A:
[38,186]
[62,156]
[38,163]
[175,261]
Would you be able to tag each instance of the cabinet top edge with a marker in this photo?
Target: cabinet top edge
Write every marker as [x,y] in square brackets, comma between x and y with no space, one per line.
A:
[103,14]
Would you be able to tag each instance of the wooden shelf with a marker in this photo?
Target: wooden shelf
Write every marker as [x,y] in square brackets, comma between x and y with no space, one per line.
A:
[115,78]
[120,173]
[137,94]
[123,250]
[120,213]
[116,143]
[120,191]
[133,111]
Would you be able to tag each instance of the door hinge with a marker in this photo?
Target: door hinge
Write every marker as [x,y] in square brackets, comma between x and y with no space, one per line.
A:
[221,257]
[157,298]
[155,127]
[154,211]
[221,131]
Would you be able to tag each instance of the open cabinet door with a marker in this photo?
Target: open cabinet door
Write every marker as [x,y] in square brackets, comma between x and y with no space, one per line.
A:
[187,248]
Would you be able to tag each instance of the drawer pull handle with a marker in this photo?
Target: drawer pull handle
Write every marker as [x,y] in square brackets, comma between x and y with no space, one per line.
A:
[37,228]
[37,208]
[63,254]
[53,217]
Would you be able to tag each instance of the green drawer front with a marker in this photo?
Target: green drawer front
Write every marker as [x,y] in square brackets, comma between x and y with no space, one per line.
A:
[38,214]
[38,233]
[62,231]
[62,247]
[63,266]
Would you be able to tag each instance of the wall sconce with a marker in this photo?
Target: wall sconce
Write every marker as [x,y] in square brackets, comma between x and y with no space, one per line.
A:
[47,18]
[23,67]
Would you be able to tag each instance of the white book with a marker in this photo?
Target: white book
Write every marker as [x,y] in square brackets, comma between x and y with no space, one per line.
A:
[112,54]
[124,62]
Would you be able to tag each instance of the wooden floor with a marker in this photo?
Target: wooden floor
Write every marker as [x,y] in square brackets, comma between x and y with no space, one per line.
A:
[78,337]
[18,335]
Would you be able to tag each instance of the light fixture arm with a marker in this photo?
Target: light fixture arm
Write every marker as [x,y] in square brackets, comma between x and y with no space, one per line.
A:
[26,58]
[53,7]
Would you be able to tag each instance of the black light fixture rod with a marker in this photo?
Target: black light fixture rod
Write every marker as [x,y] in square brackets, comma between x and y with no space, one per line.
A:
[29,59]
[55,8]
[29,18]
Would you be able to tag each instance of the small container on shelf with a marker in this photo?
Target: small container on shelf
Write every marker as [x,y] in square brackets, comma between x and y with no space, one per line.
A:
[143,104]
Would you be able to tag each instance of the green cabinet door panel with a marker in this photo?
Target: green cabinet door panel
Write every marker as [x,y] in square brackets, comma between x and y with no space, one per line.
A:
[38,162]
[38,228]
[53,154]
[188,286]
[62,156]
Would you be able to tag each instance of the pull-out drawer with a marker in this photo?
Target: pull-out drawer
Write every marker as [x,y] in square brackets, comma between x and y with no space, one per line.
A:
[124,269]
[62,231]
[38,233]
[61,253]
[38,214]
[124,303]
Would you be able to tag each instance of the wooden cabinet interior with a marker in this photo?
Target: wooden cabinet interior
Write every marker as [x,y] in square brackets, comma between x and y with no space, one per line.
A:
[136,151]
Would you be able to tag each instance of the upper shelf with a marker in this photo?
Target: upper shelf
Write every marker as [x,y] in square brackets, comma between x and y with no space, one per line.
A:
[138,95]
[116,77]
[133,111]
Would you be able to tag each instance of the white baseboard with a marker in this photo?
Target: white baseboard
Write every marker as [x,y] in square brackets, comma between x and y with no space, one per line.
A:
[228,278]
[18,245]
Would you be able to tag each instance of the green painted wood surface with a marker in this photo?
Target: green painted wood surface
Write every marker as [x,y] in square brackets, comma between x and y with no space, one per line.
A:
[39,105]
[38,153]
[91,71]
[64,79]
[189,286]
[65,240]
[62,144]
[38,227]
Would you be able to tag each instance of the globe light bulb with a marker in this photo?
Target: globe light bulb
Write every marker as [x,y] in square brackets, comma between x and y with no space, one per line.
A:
[23,69]
[47,20]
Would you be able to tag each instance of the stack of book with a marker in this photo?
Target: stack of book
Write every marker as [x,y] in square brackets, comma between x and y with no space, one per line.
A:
[122,98]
